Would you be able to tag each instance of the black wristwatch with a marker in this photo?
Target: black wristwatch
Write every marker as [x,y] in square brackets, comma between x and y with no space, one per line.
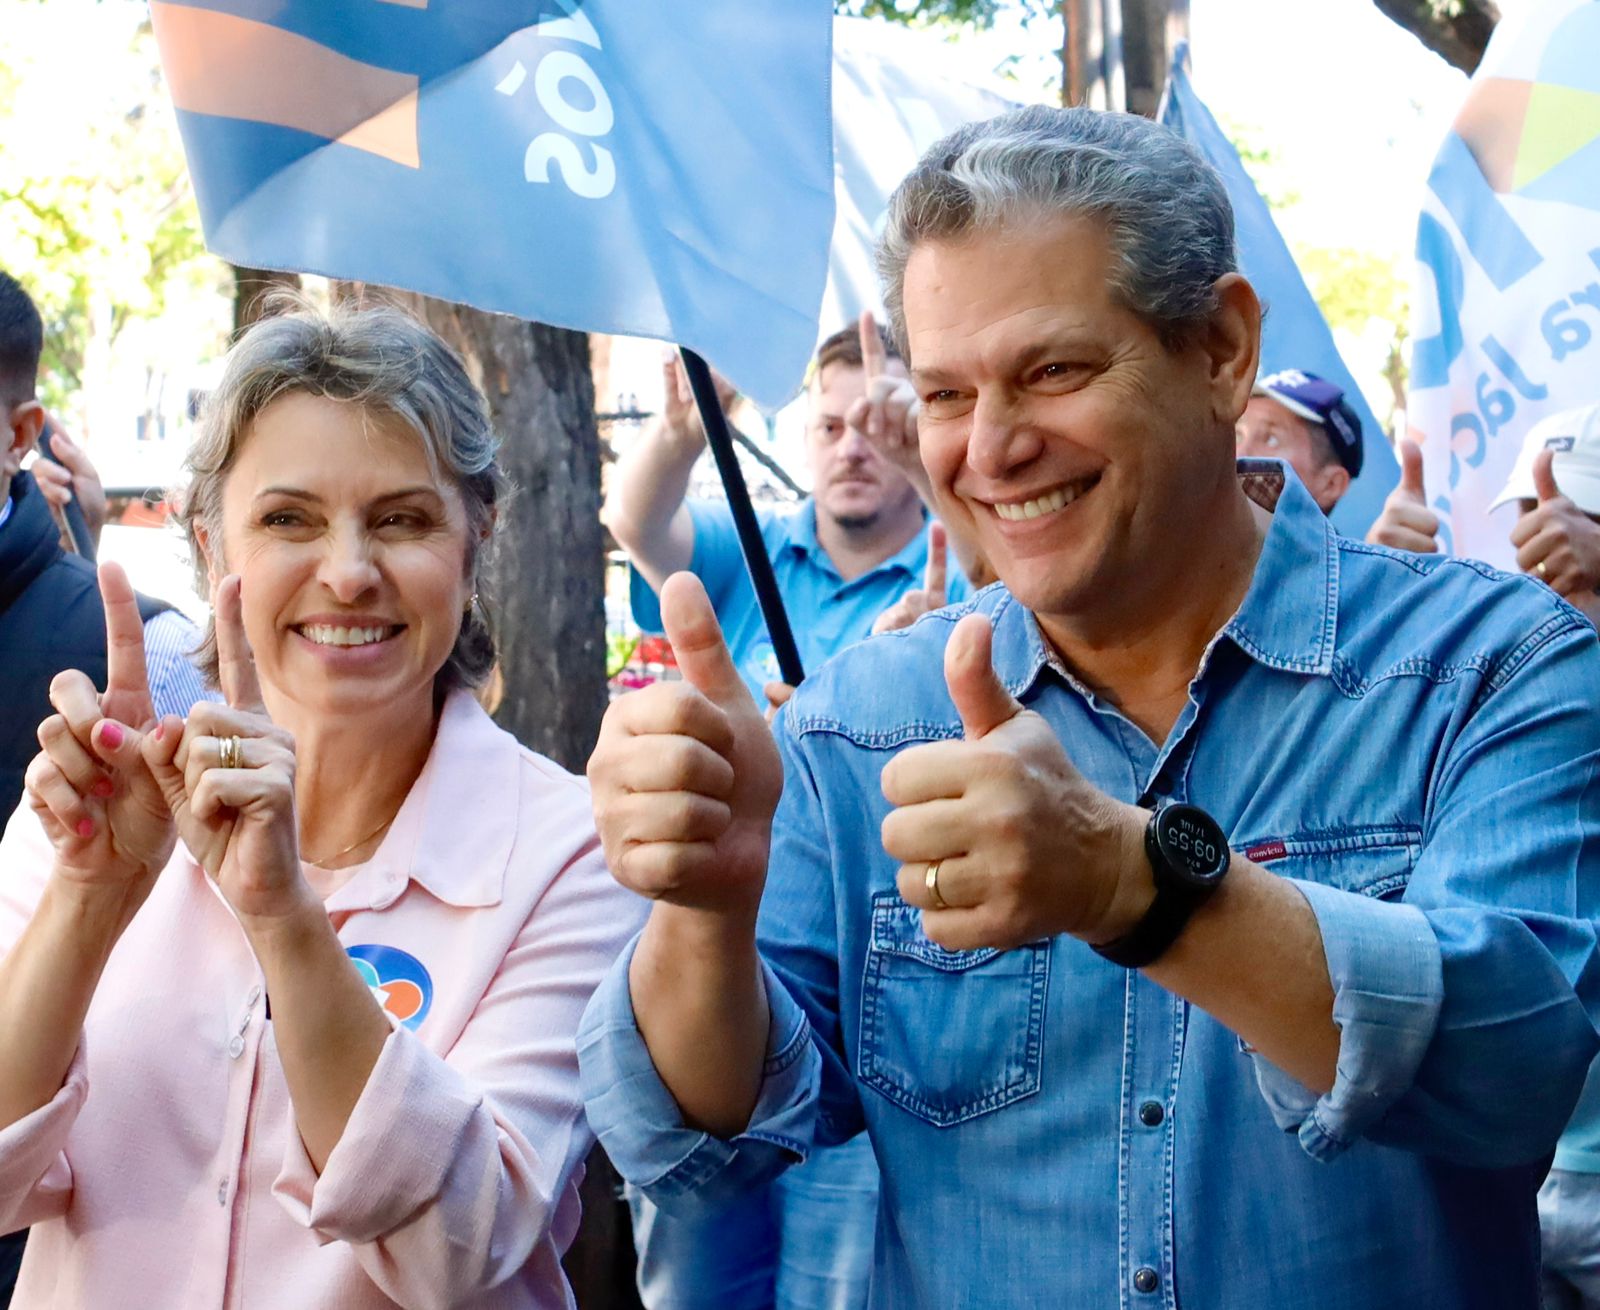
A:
[1189,856]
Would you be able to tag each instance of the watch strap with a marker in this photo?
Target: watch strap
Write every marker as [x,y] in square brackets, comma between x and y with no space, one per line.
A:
[1149,939]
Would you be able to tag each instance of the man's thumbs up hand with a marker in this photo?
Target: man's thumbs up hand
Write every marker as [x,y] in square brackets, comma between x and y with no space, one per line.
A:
[686,775]
[1556,541]
[697,644]
[981,699]
[1544,477]
[1411,472]
[1001,840]
[1406,522]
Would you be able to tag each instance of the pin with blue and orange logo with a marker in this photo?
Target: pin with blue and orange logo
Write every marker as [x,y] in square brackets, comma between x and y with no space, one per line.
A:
[397,979]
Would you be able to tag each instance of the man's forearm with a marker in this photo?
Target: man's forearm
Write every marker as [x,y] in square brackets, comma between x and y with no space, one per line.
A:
[648,487]
[1252,958]
[701,1006]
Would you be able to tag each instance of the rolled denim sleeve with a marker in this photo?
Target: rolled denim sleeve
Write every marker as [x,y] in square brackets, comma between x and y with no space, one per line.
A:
[639,1124]
[1384,963]
[1468,1011]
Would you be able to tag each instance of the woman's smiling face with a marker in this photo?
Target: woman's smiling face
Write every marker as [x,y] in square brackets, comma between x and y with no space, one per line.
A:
[353,556]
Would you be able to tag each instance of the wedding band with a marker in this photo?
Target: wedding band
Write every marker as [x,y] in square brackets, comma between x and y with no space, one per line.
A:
[1539,568]
[932,883]
[231,754]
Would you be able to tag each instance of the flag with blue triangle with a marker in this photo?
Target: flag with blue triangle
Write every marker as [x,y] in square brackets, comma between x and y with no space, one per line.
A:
[660,170]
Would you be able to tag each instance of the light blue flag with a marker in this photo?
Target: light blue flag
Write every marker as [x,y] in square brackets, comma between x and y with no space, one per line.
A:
[1294,334]
[659,169]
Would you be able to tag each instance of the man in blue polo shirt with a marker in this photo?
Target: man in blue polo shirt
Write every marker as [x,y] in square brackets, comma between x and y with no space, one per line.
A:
[841,559]
[850,552]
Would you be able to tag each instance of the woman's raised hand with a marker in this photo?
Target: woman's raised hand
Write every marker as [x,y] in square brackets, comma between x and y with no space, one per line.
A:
[231,784]
[92,784]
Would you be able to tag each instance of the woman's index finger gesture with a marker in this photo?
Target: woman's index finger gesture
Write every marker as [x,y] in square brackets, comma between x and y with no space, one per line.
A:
[127,694]
[236,665]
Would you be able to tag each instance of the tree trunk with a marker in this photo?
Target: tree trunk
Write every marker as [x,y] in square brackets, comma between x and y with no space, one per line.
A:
[1456,30]
[1145,54]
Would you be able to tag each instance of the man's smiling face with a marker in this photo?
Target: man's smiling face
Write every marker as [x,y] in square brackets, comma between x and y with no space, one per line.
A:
[1056,427]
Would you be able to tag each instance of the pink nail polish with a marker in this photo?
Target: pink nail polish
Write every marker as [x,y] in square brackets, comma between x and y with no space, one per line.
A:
[103,787]
[111,735]
[86,828]
[161,730]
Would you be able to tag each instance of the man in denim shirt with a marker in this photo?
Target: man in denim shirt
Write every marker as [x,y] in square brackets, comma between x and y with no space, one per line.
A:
[1335,1065]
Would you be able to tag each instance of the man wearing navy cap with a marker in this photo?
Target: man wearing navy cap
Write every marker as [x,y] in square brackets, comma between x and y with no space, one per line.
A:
[1305,421]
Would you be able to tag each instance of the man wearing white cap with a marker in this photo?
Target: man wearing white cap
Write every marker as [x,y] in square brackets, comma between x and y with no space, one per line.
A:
[1557,483]
[1305,421]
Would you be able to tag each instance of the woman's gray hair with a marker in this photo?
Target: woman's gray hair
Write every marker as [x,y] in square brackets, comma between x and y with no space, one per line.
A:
[1164,207]
[391,365]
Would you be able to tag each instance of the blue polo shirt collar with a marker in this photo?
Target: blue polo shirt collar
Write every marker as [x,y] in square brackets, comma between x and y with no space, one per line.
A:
[800,534]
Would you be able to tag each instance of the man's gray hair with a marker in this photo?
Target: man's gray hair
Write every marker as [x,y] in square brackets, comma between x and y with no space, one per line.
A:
[1164,207]
[389,364]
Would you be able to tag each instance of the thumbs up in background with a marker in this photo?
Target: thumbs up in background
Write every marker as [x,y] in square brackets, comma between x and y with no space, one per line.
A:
[1406,522]
[1556,541]
[1020,845]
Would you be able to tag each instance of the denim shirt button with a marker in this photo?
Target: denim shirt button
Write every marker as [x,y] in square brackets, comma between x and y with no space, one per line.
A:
[1146,1280]
[1151,1114]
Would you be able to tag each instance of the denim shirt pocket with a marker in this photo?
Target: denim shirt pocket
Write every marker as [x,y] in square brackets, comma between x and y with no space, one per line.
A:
[1372,859]
[949,1035]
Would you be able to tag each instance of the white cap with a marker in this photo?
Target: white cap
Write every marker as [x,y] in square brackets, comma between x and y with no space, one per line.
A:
[1574,436]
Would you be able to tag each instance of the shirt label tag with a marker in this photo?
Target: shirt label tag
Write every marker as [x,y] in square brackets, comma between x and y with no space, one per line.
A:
[1265,852]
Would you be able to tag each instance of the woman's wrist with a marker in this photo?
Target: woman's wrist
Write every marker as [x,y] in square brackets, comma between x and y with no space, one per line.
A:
[93,915]
[281,938]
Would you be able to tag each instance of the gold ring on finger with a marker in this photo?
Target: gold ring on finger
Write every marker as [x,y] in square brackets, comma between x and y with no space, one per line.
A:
[1539,568]
[931,880]
[231,755]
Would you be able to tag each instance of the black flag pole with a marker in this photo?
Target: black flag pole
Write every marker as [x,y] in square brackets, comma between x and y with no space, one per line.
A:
[744,518]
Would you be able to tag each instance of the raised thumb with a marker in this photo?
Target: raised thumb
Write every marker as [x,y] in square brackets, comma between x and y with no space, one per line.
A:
[1544,476]
[697,644]
[980,697]
[1411,470]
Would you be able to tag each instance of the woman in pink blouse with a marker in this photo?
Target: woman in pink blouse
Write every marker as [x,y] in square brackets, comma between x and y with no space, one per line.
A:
[289,990]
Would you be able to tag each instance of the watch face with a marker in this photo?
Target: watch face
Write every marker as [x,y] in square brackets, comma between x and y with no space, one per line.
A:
[1192,843]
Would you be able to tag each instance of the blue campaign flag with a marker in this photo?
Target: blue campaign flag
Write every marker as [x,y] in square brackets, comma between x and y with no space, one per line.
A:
[658,169]
[1294,335]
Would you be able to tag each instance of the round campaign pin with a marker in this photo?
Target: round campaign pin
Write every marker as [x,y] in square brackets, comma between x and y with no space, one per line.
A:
[397,979]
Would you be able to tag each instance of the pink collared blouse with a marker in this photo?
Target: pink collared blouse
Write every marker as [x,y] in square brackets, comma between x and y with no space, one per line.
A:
[169,1172]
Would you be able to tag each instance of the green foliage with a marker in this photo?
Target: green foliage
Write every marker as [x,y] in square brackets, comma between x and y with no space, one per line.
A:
[1365,294]
[980,13]
[972,13]
[97,216]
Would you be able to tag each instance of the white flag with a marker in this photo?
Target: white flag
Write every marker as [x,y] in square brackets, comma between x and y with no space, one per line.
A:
[1507,323]
[895,92]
